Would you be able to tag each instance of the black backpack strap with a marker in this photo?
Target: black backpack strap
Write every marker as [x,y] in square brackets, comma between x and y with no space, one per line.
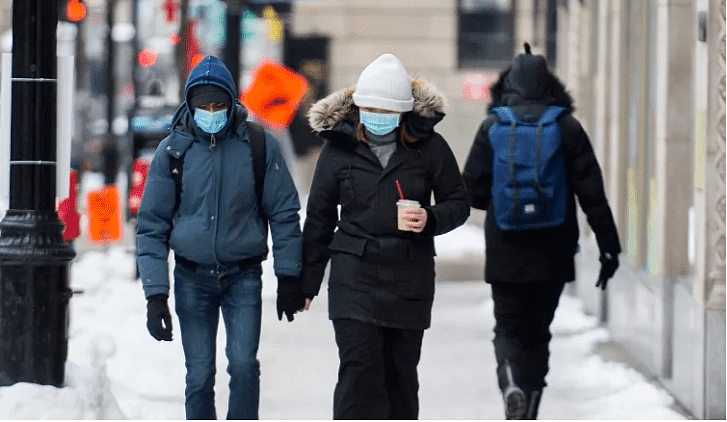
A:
[176,167]
[256,134]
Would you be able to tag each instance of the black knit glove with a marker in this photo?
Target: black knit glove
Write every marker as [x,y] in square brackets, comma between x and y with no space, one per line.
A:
[290,296]
[609,264]
[157,312]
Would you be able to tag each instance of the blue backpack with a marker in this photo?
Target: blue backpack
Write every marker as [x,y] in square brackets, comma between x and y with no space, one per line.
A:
[528,171]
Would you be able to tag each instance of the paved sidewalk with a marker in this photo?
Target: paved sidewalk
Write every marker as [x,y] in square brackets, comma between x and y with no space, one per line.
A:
[457,369]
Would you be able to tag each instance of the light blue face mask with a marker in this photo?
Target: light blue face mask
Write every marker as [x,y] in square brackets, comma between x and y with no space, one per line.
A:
[379,123]
[210,121]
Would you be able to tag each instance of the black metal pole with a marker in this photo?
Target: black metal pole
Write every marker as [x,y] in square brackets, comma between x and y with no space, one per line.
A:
[232,38]
[135,49]
[34,259]
[110,150]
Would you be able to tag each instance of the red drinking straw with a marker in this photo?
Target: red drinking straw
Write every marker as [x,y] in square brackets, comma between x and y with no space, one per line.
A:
[398,187]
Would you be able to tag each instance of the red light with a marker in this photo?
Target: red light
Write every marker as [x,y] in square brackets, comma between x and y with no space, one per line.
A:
[170,10]
[75,10]
[147,57]
[174,39]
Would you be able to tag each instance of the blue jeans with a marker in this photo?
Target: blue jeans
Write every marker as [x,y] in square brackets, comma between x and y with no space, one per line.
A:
[199,296]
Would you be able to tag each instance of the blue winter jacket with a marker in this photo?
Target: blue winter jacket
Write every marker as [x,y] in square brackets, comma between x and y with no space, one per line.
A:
[218,219]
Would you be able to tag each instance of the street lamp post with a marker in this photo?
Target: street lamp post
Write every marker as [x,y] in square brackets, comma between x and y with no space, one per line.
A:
[34,258]
[110,150]
[232,38]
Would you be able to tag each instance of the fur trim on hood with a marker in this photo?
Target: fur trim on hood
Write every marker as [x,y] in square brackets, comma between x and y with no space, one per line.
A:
[338,106]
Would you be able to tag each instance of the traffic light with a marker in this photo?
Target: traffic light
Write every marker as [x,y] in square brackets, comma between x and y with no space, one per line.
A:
[75,10]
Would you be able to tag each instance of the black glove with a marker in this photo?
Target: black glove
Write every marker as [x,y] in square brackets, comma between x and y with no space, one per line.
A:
[290,296]
[609,264]
[157,312]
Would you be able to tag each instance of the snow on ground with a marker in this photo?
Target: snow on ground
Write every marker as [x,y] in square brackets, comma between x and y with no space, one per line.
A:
[116,370]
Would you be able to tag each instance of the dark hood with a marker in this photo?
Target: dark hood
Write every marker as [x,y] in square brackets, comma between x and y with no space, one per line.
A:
[209,71]
[337,114]
[528,81]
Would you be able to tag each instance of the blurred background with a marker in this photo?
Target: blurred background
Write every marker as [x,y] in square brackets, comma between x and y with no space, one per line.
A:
[647,77]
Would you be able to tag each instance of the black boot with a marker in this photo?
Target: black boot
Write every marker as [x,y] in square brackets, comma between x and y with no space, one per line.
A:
[515,400]
[533,404]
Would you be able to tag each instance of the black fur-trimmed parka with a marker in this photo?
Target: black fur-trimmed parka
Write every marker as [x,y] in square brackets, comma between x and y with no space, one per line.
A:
[378,274]
[545,255]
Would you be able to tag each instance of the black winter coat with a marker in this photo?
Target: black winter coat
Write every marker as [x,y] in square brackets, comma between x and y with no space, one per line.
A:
[545,255]
[379,274]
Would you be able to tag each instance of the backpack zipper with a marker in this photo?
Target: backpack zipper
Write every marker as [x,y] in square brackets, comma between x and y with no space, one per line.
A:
[213,141]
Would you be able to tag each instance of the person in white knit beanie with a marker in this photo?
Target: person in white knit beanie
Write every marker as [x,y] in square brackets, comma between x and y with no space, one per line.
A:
[380,147]
[384,84]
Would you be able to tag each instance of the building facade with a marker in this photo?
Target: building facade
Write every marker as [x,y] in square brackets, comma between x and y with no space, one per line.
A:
[649,76]
[648,80]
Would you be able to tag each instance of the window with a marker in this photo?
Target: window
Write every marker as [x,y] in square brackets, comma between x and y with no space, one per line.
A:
[486,33]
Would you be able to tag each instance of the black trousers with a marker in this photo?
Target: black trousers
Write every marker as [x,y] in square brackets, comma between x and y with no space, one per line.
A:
[523,313]
[377,374]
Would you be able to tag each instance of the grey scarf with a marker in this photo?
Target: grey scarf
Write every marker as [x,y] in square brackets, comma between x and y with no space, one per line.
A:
[383,146]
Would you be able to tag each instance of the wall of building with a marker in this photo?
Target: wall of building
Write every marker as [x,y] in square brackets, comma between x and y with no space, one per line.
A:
[656,120]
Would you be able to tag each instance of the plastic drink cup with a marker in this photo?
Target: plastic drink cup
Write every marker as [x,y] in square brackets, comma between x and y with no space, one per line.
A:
[402,205]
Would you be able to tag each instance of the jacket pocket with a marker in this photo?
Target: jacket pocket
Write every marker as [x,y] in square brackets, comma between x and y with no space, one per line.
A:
[343,242]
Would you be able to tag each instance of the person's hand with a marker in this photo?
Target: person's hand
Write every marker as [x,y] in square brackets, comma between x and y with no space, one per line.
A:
[157,312]
[415,219]
[290,297]
[609,264]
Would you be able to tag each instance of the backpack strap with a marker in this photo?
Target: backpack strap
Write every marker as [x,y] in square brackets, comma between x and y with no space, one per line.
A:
[256,135]
[513,181]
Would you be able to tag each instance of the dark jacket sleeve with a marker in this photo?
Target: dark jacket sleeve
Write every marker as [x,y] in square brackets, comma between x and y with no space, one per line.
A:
[320,221]
[477,172]
[451,203]
[585,176]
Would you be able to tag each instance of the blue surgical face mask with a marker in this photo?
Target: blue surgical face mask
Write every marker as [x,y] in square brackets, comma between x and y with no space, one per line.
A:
[210,121]
[379,123]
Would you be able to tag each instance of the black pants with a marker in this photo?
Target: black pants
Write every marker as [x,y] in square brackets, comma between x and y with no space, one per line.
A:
[377,375]
[523,313]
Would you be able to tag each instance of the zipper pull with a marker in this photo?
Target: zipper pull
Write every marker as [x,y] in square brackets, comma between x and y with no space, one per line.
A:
[213,141]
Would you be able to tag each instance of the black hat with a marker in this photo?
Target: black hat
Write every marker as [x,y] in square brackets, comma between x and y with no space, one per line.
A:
[208,93]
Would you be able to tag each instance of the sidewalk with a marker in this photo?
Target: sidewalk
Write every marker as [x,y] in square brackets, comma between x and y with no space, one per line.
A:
[589,378]
[457,368]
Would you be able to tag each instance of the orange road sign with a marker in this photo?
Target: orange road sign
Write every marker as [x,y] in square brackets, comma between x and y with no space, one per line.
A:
[274,94]
[104,215]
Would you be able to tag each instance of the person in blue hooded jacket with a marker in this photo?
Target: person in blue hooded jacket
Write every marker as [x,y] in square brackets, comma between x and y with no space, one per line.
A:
[219,239]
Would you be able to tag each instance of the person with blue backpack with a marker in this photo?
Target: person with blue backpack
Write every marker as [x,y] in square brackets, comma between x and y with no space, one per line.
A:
[529,161]
[215,185]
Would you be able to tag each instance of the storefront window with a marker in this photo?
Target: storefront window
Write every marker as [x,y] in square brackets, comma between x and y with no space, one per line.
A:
[486,33]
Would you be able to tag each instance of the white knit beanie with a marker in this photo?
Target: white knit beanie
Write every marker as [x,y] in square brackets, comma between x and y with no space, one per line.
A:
[384,84]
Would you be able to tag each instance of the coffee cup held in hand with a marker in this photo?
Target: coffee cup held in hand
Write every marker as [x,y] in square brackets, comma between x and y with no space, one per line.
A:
[402,205]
